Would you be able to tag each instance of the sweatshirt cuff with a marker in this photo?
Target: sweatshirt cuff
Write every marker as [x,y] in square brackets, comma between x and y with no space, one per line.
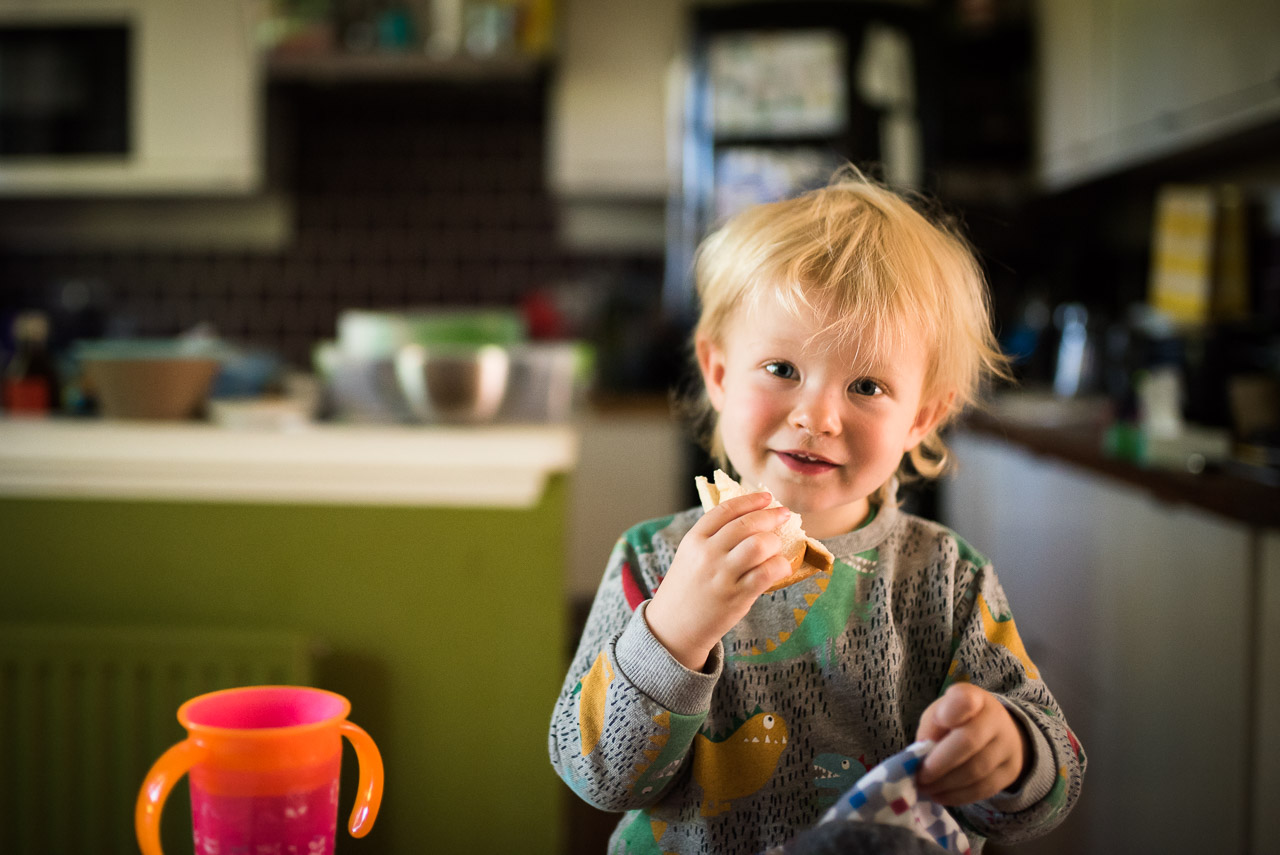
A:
[652,669]
[1039,770]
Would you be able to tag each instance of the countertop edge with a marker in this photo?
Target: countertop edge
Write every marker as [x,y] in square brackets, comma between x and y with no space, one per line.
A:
[501,466]
[1235,498]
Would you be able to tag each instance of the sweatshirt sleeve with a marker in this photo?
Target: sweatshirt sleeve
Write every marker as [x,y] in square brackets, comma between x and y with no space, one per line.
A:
[989,653]
[625,719]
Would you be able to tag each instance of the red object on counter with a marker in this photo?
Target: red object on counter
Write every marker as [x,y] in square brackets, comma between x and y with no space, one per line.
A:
[27,395]
[542,317]
[30,383]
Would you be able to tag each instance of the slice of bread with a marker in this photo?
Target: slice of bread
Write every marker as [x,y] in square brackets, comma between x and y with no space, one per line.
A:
[807,556]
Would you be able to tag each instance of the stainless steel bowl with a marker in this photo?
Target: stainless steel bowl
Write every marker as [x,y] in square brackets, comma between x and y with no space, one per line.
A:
[454,384]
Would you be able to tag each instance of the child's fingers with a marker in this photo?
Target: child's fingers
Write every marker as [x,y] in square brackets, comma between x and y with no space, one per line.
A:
[749,526]
[754,549]
[957,705]
[966,785]
[725,527]
[956,723]
[958,760]
[956,749]
[754,522]
[929,729]
[727,512]
[763,575]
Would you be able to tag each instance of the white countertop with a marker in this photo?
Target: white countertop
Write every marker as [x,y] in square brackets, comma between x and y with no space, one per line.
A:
[504,466]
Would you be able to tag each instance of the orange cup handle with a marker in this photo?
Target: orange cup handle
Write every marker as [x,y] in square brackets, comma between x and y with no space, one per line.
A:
[165,772]
[369,792]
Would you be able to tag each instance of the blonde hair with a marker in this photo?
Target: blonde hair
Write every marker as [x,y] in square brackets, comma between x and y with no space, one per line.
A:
[878,270]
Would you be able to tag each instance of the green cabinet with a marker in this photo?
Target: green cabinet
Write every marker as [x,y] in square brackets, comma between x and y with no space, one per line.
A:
[444,625]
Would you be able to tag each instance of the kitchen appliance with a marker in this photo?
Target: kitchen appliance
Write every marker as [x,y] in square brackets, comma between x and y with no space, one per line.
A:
[780,94]
[129,97]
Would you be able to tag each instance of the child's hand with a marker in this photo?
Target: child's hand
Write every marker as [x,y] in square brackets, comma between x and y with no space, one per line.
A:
[980,747]
[727,560]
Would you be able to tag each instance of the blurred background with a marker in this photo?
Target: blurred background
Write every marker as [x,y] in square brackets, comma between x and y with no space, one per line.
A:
[302,189]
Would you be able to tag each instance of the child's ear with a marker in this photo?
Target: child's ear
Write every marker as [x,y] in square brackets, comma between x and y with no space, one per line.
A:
[711,362]
[927,418]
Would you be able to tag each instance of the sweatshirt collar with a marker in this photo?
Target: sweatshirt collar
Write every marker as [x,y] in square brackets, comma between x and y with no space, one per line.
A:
[868,536]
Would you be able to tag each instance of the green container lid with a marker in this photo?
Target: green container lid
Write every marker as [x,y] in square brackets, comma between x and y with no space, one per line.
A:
[379,335]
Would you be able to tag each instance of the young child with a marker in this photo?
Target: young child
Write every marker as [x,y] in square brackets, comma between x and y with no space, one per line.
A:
[839,332]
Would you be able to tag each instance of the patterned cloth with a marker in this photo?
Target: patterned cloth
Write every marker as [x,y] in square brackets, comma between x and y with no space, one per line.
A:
[887,795]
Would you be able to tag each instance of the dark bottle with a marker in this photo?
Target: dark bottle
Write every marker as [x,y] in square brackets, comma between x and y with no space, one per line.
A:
[30,383]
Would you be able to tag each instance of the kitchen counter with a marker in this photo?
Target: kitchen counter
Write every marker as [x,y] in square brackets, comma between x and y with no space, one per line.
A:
[504,466]
[427,565]
[1222,492]
[1129,586]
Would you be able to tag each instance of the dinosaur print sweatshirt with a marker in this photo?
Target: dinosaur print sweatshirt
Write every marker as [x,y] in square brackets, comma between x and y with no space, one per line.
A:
[820,682]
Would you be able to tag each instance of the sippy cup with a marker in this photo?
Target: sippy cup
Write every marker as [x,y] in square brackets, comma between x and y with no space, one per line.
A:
[264,763]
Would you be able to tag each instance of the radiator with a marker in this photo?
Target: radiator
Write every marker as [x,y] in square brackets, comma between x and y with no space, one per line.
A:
[85,711]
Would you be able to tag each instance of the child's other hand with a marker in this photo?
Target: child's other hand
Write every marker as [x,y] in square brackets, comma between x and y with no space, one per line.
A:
[727,560]
[979,751]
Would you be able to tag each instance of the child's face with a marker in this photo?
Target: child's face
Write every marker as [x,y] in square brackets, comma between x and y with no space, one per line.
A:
[821,427]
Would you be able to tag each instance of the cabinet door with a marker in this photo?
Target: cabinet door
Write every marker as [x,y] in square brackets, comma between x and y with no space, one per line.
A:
[1037,522]
[1039,535]
[1076,87]
[1124,82]
[1189,69]
[608,118]
[1174,644]
[1136,614]
[617,487]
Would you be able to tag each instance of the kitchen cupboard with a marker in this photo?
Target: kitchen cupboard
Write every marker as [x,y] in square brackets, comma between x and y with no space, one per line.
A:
[1122,83]
[609,101]
[635,460]
[1145,621]
[186,119]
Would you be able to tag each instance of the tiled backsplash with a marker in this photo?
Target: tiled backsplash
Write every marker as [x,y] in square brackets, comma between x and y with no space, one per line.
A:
[404,194]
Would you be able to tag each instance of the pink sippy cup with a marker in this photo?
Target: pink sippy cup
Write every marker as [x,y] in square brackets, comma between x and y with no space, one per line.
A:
[264,764]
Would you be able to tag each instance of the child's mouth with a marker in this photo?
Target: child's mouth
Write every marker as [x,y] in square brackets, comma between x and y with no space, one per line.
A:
[805,464]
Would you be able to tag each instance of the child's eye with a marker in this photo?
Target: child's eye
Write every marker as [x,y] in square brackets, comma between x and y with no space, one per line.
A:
[781,370]
[866,386]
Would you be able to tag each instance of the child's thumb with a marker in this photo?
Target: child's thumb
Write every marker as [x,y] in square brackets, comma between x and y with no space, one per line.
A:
[957,705]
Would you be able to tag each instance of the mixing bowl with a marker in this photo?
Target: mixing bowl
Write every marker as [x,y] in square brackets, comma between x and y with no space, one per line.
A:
[458,384]
[148,378]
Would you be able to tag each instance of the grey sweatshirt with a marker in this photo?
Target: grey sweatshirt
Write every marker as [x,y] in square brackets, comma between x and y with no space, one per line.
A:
[820,682]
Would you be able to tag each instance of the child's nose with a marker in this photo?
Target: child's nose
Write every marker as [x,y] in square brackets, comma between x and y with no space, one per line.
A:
[817,412]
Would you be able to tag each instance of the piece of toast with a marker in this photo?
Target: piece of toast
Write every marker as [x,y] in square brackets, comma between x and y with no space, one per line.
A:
[807,556]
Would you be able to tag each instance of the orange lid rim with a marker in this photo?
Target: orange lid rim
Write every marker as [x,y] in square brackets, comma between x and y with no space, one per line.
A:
[261,733]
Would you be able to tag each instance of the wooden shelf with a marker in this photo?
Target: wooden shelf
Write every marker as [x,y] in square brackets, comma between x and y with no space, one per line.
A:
[336,68]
